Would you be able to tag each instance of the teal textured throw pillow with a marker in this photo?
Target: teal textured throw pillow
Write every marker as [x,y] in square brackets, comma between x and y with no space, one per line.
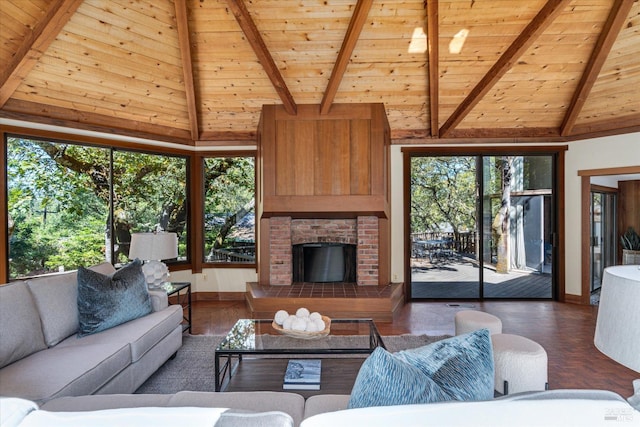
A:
[385,380]
[461,365]
[457,368]
[105,301]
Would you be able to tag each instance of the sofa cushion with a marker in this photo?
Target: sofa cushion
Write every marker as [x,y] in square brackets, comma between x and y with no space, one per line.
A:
[105,301]
[260,401]
[64,370]
[157,417]
[96,402]
[458,368]
[20,330]
[238,418]
[494,413]
[56,298]
[139,335]
[321,403]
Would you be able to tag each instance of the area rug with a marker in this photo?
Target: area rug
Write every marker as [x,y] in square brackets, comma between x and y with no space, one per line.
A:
[193,367]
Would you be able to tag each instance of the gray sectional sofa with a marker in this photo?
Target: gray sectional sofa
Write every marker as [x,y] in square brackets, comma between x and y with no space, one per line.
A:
[42,358]
[577,408]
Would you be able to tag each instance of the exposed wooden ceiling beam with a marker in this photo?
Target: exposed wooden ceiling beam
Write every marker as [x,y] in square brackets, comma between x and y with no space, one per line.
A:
[348,44]
[35,44]
[521,133]
[250,30]
[538,24]
[432,44]
[610,31]
[58,116]
[182,23]
[625,124]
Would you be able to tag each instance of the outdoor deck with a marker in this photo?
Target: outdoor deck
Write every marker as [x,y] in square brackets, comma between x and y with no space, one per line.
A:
[457,277]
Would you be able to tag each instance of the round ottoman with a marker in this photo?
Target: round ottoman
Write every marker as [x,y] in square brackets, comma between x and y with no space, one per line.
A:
[520,364]
[472,320]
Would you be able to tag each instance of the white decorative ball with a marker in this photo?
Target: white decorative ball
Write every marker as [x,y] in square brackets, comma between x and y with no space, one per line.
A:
[298,324]
[280,317]
[312,326]
[288,322]
[320,324]
[315,315]
[302,312]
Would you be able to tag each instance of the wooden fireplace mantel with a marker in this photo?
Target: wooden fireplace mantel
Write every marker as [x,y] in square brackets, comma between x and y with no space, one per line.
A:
[328,165]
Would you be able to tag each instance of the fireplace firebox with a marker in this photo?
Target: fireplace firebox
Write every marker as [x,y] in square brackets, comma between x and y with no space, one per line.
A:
[324,263]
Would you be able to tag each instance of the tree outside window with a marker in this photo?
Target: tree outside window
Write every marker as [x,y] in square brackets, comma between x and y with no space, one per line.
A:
[59,203]
[229,210]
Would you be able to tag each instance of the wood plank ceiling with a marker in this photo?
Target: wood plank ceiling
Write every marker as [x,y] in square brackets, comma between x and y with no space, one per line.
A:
[197,72]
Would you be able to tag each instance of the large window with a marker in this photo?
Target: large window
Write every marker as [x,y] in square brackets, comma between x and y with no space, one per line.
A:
[71,205]
[149,194]
[229,210]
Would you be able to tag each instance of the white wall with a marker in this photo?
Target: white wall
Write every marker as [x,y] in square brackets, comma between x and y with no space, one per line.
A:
[608,152]
[217,279]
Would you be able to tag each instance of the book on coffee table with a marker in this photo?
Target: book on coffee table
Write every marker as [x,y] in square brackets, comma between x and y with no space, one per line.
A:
[302,374]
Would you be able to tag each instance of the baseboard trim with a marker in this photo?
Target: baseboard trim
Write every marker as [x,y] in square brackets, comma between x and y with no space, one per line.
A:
[218,296]
[576,299]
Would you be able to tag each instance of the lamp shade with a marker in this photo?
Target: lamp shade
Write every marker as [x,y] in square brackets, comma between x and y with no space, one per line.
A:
[153,246]
[618,325]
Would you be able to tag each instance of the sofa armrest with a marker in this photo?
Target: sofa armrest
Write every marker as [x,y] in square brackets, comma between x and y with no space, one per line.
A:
[159,300]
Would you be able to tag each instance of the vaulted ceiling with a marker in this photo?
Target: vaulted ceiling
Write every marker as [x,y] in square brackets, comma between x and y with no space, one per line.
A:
[197,72]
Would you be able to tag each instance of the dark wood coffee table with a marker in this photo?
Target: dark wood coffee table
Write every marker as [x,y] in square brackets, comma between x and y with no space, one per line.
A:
[254,356]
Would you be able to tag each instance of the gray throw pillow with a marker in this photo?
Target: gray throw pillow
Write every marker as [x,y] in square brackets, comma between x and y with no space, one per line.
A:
[105,301]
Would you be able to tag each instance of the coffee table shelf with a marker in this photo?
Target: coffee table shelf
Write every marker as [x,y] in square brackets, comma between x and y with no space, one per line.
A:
[257,339]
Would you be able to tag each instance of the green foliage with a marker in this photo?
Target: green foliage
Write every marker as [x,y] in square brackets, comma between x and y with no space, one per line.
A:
[229,198]
[443,193]
[630,240]
[29,246]
[59,197]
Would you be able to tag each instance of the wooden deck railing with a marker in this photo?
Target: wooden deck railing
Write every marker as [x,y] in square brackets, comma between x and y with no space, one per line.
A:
[464,243]
[238,254]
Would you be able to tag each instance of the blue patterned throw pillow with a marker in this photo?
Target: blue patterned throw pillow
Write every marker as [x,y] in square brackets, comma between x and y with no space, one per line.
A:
[385,380]
[457,368]
[105,301]
[461,365]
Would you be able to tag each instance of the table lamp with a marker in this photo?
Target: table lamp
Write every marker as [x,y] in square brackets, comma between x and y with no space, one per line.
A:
[618,325]
[152,248]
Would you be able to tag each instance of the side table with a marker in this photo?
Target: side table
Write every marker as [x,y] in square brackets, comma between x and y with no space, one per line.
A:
[182,292]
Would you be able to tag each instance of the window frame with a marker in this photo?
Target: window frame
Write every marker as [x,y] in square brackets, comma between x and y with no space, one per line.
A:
[558,169]
[201,244]
[7,132]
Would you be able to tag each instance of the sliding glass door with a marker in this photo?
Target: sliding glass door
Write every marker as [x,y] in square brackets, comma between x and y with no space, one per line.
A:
[481,227]
[444,212]
[517,234]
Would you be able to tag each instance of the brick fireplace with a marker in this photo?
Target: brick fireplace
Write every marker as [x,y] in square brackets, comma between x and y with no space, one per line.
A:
[323,182]
[285,231]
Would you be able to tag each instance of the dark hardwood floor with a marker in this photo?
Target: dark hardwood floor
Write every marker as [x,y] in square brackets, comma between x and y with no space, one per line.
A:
[564,330]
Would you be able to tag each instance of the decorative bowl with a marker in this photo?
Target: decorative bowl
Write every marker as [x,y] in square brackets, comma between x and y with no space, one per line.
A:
[304,334]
